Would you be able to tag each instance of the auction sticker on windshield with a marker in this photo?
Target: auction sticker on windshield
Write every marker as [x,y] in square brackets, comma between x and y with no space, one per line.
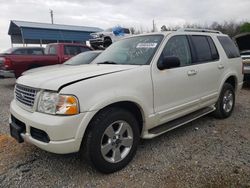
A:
[146,45]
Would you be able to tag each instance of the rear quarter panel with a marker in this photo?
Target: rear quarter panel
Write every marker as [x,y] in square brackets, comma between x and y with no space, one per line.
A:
[232,67]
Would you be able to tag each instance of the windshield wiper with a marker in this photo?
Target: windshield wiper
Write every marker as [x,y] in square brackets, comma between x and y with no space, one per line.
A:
[107,62]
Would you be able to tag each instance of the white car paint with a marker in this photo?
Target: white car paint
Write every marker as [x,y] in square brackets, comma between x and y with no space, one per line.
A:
[45,68]
[161,95]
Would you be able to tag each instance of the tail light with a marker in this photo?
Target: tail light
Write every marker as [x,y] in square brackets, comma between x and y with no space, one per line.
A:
[5,63]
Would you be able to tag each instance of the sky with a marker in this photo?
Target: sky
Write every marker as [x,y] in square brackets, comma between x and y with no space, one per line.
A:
[129,13]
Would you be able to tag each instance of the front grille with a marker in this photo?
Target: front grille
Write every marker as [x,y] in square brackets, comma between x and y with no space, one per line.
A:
[25,95]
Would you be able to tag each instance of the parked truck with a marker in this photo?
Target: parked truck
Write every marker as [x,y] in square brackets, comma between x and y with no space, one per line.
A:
[13,65]
[106,38]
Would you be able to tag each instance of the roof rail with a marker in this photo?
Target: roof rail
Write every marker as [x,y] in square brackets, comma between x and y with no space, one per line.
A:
[198,30]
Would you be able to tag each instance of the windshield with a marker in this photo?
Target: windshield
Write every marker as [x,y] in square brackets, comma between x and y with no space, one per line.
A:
[137,50]
[83,58]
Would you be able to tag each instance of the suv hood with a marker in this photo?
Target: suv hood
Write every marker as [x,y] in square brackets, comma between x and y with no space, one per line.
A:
[45,68]
[53,79]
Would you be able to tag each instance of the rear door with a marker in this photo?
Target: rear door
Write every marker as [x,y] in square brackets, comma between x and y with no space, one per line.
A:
[208,68]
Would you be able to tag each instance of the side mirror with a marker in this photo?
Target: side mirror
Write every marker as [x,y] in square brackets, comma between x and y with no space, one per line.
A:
[169,62]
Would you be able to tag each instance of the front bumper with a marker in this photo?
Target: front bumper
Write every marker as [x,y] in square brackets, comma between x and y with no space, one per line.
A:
[61,130]
[96,42]
[7,73]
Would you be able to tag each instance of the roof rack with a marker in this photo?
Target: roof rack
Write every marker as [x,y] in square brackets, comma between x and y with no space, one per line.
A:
[198,30]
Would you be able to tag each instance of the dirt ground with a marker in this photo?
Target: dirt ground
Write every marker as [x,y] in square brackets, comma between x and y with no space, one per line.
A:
[205,153]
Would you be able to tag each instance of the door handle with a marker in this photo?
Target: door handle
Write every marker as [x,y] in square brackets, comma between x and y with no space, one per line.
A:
[192,72]
[220,66]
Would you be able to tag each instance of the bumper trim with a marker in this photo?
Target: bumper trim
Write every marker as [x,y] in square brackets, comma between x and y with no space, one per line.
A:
[7,73]
[58,147]
[62,131]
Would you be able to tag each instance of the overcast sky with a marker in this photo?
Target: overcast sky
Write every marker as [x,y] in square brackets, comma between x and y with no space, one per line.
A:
[129,13]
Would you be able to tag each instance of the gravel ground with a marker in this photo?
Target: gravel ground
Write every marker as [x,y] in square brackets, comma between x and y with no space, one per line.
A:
[205,153]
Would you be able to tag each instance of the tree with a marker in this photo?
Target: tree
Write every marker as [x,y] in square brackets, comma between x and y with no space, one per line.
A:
[245,27]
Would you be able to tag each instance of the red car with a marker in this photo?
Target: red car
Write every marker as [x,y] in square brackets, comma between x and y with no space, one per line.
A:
[13,65]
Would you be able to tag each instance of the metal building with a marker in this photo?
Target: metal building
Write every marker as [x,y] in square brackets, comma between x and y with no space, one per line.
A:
[22,32]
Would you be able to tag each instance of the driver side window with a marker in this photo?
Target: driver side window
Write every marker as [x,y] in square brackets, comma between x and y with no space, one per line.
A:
[178,46]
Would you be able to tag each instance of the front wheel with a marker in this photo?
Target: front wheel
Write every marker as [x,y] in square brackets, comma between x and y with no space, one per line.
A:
[107,42]
[111,141]
[226,102]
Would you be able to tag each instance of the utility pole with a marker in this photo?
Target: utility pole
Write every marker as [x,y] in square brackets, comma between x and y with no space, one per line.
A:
[52,16]
[153,25]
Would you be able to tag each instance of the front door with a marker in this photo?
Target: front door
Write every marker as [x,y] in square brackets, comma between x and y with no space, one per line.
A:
[175,93]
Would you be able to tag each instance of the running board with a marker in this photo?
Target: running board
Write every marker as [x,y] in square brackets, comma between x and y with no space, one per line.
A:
[179,122]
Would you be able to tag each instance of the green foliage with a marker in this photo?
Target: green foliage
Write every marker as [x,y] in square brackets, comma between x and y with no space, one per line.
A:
[245,27]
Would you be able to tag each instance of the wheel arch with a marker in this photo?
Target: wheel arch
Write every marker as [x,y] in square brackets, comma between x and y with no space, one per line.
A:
[131,106]
[231,79]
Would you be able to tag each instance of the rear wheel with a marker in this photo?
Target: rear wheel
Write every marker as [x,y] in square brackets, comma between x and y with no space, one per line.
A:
[226,102]
[111,141]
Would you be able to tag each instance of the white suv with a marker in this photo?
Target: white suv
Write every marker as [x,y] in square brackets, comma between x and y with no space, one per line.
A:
[139,87]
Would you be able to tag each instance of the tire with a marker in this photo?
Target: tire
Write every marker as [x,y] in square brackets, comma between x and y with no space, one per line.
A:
[226,102]
[105,147]
[107,42]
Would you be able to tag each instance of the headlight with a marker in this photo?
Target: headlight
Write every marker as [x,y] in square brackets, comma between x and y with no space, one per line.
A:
[54,103]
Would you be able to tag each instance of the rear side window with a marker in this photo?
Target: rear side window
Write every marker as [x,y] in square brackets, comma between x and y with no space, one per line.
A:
[214,51]
[35,51]
[50,50]
[229,47]
[74,50]
[205,49]
[20,52]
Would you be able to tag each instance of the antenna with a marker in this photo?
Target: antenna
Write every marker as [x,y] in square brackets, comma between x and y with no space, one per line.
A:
[52,16]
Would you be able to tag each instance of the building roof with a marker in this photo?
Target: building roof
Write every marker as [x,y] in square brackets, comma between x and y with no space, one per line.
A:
[25,24]
[34,33]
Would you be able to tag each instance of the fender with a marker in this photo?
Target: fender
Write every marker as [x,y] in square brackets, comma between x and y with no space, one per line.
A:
[91,113]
